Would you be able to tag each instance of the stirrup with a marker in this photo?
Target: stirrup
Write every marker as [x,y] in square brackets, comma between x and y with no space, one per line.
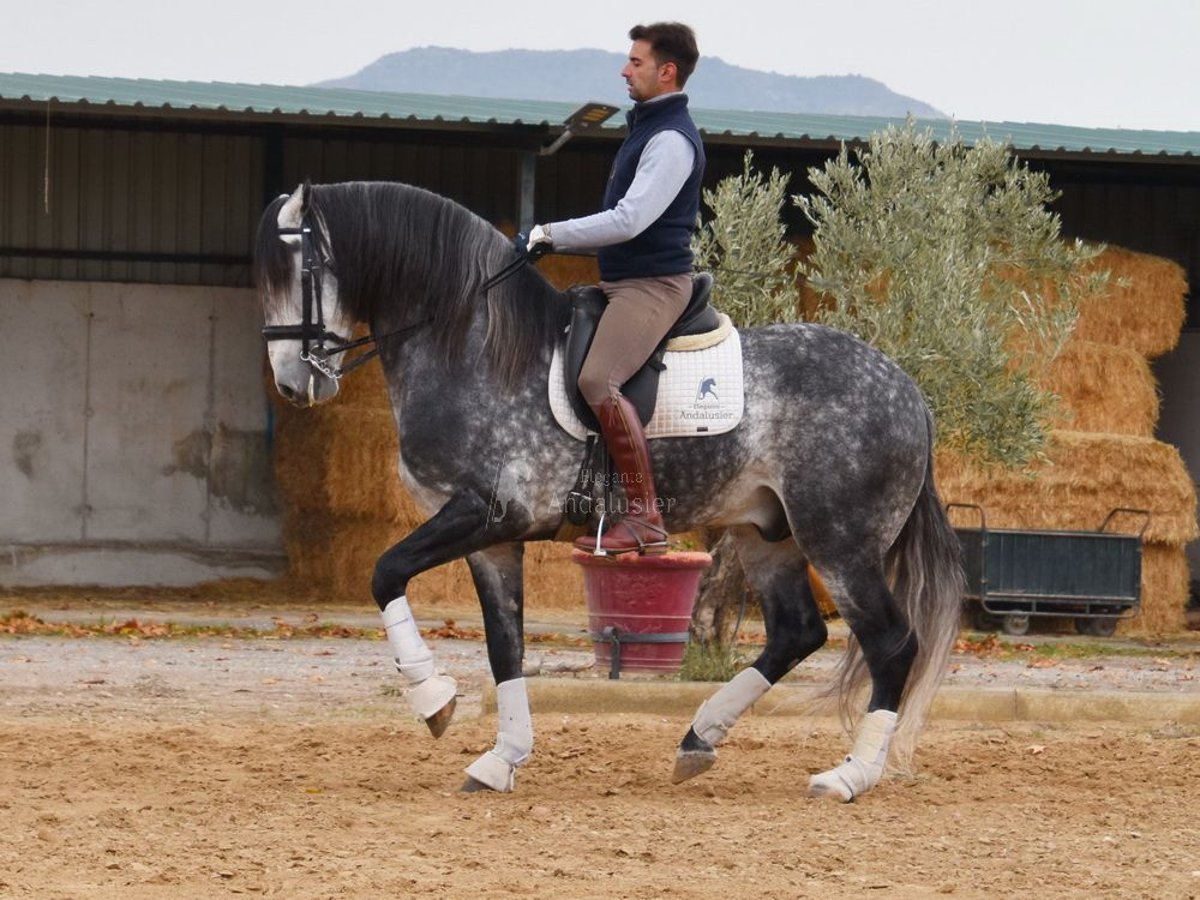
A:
[643,547]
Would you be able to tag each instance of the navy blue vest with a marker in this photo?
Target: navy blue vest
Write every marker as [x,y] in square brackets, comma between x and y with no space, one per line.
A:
[665,247]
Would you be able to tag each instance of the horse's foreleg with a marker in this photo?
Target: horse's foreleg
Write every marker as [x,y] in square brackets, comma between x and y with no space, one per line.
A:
[431,695]
[888,649]
[498,577]
[778,574]
[459,528]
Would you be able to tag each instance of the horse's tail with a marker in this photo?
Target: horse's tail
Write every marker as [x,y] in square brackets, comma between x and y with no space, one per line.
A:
[925,563]
[924,567]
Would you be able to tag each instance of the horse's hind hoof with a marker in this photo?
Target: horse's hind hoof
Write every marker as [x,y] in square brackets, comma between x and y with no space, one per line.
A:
[440,720]
[471,786]
[690,763]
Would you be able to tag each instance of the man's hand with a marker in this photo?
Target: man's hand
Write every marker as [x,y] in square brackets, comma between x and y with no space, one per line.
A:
[539,242]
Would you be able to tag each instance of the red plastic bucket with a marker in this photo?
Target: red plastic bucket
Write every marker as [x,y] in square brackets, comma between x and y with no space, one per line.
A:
[633,596]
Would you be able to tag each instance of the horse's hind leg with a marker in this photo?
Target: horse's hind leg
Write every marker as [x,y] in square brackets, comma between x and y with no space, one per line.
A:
[498,576]
[888,650]
[778,573]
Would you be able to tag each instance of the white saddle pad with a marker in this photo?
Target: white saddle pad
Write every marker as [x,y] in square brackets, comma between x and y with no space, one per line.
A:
[699,393]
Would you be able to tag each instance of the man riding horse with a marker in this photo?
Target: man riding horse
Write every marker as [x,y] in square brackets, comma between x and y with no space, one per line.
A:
[835,449]
[643,237]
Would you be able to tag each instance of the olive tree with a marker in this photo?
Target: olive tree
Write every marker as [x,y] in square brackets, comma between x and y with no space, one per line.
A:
[945,256]
[948,258]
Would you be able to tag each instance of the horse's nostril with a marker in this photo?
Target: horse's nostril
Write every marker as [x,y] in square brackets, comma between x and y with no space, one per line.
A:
[287,392]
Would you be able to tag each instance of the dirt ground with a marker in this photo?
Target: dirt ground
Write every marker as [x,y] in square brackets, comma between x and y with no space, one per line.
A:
[205,767]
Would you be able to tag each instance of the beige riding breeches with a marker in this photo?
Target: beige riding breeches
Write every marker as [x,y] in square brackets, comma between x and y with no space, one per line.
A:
[639,314]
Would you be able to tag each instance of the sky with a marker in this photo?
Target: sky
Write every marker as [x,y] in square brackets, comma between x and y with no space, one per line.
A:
[1093,63]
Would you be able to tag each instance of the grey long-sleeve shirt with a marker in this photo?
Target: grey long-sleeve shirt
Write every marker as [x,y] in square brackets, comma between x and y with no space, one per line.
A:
[664,166]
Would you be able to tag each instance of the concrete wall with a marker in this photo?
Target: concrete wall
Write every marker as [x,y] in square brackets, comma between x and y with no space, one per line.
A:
[1178,375]
[134,435]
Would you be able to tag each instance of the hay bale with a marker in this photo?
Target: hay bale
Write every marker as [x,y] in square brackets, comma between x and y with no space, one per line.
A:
[343,461]
[336,558]
[1143,307]
[1083,478]
[1103,388]
[1165,580]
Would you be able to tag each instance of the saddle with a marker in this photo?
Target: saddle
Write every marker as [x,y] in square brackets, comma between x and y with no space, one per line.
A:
[641,389]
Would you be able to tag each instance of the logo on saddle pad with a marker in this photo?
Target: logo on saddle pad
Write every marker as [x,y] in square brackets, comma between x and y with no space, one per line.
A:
[706,413]
[700,392]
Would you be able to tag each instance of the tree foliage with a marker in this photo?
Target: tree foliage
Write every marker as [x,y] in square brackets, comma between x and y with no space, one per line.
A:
[743,242]
[947,258]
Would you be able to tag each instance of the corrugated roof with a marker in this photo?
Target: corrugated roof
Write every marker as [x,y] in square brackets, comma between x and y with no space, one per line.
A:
[1022,136]
[275,99]
[434,109]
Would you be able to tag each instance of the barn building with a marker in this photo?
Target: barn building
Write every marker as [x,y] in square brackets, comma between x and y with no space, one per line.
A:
[136,435]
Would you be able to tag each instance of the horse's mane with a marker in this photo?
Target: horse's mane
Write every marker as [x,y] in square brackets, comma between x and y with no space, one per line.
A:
[394,246]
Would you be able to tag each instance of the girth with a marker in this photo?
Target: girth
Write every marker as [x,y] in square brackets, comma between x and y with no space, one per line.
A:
[641,390]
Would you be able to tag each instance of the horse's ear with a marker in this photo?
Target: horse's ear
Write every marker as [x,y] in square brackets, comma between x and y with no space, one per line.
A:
[291,214]
[305,196]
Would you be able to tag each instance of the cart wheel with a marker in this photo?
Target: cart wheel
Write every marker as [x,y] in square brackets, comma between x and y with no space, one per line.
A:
[1016,625]
[983,620]
[1096,627]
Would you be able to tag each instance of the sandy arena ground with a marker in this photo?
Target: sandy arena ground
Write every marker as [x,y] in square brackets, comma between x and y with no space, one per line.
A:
[208,767]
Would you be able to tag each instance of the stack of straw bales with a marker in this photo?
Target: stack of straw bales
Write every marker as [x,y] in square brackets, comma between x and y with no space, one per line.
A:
[1104,455]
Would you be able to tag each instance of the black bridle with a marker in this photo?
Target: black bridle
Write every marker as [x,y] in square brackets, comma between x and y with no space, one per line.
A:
[312,333]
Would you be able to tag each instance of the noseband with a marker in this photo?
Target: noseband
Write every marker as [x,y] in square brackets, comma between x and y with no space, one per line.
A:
[312,334]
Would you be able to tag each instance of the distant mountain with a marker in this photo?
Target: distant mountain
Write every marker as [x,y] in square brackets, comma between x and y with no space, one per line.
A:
[577,76]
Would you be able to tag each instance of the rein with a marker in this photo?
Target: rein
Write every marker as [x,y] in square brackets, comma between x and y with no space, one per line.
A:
[523,257]
[509,270]
[313,334]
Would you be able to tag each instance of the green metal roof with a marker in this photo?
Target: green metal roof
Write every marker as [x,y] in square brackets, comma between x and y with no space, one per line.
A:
[335,103]
[271,99]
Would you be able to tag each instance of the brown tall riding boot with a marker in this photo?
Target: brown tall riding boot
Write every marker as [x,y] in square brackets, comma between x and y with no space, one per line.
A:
[641,529]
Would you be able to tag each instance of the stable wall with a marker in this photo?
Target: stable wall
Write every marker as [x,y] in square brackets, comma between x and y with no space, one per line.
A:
[1178,374]
[134,436]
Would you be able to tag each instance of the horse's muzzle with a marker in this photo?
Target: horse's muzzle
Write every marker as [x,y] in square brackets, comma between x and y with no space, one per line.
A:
[309,390]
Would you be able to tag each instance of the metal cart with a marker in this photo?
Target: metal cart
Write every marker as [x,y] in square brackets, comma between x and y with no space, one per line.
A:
[1094,577]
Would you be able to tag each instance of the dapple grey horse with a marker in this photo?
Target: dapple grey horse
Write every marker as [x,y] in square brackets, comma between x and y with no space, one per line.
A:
[830,468]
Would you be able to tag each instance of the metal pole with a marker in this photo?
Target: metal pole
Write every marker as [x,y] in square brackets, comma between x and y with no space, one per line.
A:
[527,185]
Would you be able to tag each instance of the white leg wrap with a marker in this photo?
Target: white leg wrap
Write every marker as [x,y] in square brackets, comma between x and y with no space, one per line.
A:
[719,712]
[413,658]
[497,768]
[863,768]
[428,692]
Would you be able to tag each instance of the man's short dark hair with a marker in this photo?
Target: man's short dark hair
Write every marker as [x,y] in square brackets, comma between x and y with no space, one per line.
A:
[670,42]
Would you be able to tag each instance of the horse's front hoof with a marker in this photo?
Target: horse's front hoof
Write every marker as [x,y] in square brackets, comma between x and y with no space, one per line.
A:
[440,720]
[690,763]
[695,756]
[471,786]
